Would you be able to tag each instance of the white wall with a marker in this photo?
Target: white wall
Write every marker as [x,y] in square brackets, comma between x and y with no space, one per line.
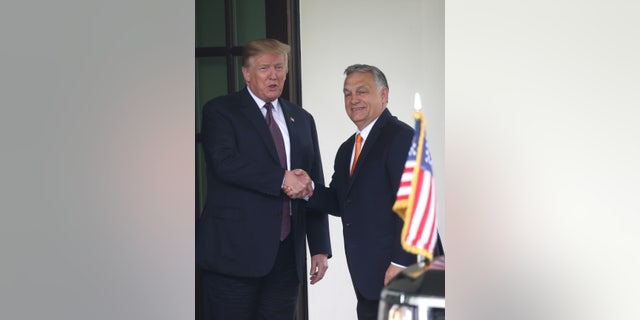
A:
[405,39]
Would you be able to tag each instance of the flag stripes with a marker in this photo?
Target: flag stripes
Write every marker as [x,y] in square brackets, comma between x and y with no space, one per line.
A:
[415,201]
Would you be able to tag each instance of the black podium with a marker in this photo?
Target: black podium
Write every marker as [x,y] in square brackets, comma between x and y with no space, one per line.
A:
[417,293]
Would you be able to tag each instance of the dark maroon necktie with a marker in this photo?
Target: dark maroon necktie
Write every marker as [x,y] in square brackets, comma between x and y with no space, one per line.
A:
[282,155]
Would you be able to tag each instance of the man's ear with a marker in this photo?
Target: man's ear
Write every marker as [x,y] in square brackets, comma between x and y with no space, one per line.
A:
[385,95]
[245,73]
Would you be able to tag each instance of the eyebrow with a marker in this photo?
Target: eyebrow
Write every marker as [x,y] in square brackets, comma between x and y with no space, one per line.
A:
[360,87]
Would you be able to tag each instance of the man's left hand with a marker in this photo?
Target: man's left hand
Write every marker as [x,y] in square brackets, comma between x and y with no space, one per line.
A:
[319,265]
[392,271]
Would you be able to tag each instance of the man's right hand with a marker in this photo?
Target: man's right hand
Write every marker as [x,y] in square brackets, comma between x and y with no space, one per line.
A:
[297,184]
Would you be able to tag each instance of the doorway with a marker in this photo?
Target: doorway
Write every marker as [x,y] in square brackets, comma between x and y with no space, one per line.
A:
[222,27]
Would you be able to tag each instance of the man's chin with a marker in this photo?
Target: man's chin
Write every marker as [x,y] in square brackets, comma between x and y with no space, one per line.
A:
[273,96]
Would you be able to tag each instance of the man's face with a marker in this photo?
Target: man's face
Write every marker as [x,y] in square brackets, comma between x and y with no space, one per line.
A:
[362,99]
[265,75]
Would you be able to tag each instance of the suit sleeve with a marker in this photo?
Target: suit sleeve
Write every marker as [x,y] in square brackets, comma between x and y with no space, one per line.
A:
[317,221]
[324,198]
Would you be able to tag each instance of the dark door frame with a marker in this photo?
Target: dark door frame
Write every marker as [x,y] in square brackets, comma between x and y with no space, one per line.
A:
[282,19]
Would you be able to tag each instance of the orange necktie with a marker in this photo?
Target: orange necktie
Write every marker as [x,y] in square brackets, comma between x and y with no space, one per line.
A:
[357,152]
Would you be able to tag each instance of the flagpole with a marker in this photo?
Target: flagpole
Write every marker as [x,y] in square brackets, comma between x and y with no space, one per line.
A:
[417,106]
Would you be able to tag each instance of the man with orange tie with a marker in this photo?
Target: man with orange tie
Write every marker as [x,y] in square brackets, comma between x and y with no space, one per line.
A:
[367,171]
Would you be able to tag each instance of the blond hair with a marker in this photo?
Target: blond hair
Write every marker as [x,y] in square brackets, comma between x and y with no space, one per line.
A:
[262,46]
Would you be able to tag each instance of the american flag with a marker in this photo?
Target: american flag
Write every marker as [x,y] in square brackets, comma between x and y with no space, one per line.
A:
[416,201]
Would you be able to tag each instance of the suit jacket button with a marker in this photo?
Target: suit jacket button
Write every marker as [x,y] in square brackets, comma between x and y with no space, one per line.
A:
[348,224]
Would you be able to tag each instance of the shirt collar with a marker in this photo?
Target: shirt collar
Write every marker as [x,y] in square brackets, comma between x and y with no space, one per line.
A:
[365,132]
[261,103]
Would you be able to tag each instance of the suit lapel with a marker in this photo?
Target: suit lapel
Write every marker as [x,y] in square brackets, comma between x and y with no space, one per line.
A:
[373,136]
[345,159]
[290,115]
[255,117]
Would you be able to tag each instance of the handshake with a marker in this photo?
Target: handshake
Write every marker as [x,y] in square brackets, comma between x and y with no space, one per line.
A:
[297,184]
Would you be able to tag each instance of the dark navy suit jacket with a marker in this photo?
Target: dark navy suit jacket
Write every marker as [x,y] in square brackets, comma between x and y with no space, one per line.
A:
[372,230]
[239,229]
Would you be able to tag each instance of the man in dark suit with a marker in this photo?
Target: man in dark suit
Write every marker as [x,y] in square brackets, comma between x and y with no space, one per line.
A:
[363,192]
[250,239]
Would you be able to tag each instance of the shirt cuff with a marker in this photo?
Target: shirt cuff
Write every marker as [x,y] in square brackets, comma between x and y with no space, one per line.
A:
[313,187]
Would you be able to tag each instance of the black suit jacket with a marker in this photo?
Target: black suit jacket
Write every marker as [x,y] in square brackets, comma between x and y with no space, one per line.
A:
[239,229]
[372,230]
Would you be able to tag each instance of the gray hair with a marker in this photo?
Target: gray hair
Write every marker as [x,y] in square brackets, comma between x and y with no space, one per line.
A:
[378,75]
